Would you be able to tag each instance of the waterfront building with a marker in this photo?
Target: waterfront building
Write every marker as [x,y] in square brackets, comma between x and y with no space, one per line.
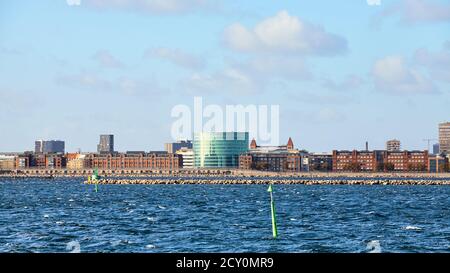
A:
[436,149]
[444,138]
[187,157]
[219,149]
[172,148]
[7,162]
[153,160]
[40,161]
[106,144]
[282,158]
[393,145]
[380,161]
[356,160]
[321,162]
[49,146]
[438,164]
[407,160]
[77,162]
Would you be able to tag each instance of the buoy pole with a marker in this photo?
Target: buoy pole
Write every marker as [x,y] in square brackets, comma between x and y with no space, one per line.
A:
[272,208]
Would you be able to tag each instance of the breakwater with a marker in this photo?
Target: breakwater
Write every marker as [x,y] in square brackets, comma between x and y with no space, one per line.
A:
[184,181]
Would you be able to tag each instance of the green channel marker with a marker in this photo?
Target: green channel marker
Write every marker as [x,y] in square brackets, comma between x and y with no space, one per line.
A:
[274,218]
[95,178]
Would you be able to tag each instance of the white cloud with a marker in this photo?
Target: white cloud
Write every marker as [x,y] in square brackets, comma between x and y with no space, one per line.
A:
[415,11]
[152,6]
[392,74]
[177,57]
[105,59]
[284,34]
[438,62]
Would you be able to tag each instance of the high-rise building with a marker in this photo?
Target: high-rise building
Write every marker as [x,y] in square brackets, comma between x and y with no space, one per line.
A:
[172,148]
[393,145]
[219,149]
[436,149]
[444,138]
[49,146]
[106,144]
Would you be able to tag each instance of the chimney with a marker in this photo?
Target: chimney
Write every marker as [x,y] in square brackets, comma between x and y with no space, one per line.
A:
[367,146]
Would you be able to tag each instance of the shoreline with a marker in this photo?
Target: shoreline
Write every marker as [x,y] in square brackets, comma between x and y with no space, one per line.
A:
[234,176]
[184,181]
[210,173]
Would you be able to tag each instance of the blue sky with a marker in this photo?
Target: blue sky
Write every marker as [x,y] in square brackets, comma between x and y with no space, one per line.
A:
[343,72]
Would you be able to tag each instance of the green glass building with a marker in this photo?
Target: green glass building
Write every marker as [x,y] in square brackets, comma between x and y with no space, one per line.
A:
[219,149]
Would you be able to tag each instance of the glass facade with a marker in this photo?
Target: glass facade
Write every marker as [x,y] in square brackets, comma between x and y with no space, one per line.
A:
[219,150]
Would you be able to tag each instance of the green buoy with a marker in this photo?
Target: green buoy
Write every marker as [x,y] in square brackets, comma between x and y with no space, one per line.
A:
[272,208]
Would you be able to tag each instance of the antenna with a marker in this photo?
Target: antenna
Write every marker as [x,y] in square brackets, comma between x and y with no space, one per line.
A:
[428,140]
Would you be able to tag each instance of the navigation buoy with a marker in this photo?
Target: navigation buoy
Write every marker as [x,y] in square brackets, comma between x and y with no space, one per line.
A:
[95,179]
[272,208]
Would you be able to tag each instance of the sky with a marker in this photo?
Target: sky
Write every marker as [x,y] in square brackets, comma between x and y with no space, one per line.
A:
[342,72]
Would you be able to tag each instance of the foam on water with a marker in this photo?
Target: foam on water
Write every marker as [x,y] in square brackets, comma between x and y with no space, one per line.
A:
[373,246]
[412,228]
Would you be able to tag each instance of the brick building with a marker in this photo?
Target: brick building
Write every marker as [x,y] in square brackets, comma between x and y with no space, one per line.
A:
[272,158]
[135,161]
[371,161]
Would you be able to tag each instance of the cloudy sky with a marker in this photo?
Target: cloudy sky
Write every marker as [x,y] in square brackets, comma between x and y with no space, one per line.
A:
[343,72]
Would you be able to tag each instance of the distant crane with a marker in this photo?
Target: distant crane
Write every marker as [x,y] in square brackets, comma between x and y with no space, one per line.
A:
[428,140]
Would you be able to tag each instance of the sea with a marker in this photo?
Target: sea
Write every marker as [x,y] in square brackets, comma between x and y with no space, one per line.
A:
[64,215]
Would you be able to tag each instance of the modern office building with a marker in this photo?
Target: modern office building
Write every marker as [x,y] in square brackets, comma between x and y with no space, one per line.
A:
[219,149]
[282,158]
[187,156]
[321,162]
[106,144]
[172,148]
[393,145]
[444,138]
[49,146]
[436,149]
[40,161]
[438,164]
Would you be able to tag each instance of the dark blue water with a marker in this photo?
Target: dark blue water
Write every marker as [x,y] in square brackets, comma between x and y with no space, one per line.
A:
[61,215]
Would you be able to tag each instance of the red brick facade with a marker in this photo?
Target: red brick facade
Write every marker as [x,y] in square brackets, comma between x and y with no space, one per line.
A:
[139,161]
[370,161]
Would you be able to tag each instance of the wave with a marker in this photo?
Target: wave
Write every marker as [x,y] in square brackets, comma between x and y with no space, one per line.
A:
[412,228]
[373,246]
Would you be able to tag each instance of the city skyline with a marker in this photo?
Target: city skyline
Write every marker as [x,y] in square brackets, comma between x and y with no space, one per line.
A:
[74,72]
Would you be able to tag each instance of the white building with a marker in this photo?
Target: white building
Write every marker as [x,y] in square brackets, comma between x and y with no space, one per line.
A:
[393,145]
[188,157]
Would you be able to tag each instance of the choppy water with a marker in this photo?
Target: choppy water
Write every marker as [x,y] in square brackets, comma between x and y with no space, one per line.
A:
[63,215]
